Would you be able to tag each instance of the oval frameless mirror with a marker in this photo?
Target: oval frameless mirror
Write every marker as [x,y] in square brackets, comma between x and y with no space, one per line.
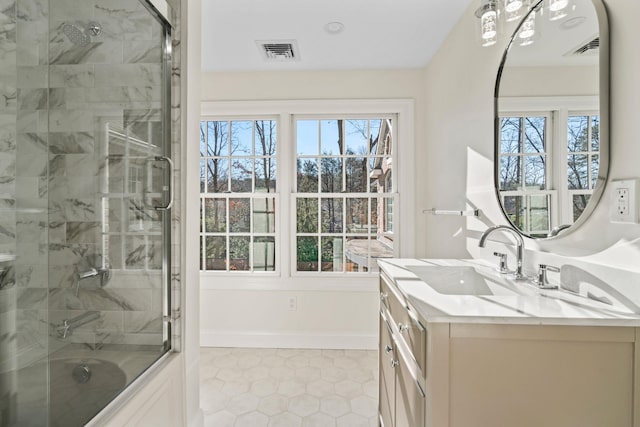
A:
[552,117]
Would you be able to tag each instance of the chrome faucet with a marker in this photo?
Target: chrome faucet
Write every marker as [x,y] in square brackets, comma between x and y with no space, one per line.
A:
[519,275]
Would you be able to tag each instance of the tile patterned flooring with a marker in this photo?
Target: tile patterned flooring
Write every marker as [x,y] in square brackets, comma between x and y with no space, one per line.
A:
[256,387]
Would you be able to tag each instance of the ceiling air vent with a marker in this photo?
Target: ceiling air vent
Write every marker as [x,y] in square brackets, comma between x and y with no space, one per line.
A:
[279,50]
[591,47]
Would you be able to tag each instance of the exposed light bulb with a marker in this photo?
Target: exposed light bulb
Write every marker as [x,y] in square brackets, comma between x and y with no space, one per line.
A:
[556,5]
[512,5]
[526,42]
[528,27]
[489,42]
[489,24]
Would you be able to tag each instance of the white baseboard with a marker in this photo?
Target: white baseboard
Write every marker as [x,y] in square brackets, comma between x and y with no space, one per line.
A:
[212,338]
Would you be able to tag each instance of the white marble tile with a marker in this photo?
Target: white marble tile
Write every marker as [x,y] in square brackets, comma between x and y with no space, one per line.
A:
[291,388]
[288,395]
[318,420]
[304,405]
[273,404]
[242,404]
[286,419]
[252,419]
[335,406]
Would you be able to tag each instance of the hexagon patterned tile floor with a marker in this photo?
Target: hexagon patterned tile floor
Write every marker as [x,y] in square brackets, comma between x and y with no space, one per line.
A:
[283,387]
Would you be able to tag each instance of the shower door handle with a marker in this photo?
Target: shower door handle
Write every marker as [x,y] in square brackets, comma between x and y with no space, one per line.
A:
[170,186]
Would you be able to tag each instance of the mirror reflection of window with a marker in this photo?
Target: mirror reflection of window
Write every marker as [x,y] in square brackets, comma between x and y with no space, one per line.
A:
[524,171]
[583,145]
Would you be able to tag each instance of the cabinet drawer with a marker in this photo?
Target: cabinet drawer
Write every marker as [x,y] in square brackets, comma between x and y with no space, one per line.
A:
[410,398]
[387,356]
[406,321]
[391,298]
[414,333]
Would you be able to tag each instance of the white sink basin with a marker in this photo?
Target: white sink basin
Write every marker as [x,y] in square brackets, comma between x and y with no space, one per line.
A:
[464,280]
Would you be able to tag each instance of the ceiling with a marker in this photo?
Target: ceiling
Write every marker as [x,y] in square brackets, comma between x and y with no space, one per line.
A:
[557,40]
[377,34]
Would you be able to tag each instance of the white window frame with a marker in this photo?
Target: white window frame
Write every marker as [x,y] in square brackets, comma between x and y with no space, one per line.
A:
[244,195]
[567,210]
[285,278]
[560,107]
[393,194]
[549,142]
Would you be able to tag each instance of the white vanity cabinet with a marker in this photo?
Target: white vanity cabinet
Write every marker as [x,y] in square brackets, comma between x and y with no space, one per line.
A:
[448,371]
[402,360]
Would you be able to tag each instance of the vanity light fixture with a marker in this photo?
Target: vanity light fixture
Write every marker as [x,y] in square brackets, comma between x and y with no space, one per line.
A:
[492,13]
[488,15]
[558,9]
[528,30]
[556,5]
[514,9]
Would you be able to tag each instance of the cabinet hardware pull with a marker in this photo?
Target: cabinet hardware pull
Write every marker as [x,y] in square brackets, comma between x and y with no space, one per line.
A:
[394,363]
[414,317]
[388,349]
[422,393]
[402,327]
[383,296]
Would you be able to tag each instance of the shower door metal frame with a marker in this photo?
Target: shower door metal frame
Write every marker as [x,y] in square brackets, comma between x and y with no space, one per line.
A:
[161,10]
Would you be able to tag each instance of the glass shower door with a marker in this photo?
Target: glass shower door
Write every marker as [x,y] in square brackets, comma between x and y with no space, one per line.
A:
[109,197]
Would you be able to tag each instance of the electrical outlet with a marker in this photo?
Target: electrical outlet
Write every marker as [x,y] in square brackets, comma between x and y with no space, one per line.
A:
[293,303]
[624,198]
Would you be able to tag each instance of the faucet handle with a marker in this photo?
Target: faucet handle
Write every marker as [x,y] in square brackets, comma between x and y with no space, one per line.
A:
[541,281]
[502,268]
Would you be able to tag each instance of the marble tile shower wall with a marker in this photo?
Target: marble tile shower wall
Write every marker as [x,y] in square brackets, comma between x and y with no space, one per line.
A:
[112,82]
[55,98]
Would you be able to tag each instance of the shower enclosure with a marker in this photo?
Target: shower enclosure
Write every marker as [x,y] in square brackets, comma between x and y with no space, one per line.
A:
[85,203]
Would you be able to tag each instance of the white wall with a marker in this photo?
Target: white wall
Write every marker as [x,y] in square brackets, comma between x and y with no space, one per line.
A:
[549,81]
[454,145]
[459,91]
[343,319]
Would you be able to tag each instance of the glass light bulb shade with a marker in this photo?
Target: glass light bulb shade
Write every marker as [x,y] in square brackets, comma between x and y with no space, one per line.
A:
[512,16]
[512,5]
[489,42]
[489,24]
[555,5]
[528,27]
[527,41]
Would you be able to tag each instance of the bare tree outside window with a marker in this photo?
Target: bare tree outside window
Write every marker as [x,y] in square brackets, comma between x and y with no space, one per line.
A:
[238,170]
[339,166]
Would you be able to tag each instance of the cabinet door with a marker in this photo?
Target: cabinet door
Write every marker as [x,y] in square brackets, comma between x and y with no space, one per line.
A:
[387,385]
[410,399]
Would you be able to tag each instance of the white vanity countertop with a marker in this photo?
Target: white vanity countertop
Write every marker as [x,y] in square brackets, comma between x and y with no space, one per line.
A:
[534,306]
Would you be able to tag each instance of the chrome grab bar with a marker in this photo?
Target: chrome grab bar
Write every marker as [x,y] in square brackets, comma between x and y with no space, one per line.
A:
[171,170]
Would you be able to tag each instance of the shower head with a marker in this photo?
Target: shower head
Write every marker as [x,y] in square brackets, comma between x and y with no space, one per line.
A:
[81,36]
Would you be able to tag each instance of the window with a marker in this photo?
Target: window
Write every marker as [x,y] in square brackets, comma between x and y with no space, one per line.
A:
[583,144]
[540,190]
[343,194]
[331,206]
[524,148]
[238,197]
